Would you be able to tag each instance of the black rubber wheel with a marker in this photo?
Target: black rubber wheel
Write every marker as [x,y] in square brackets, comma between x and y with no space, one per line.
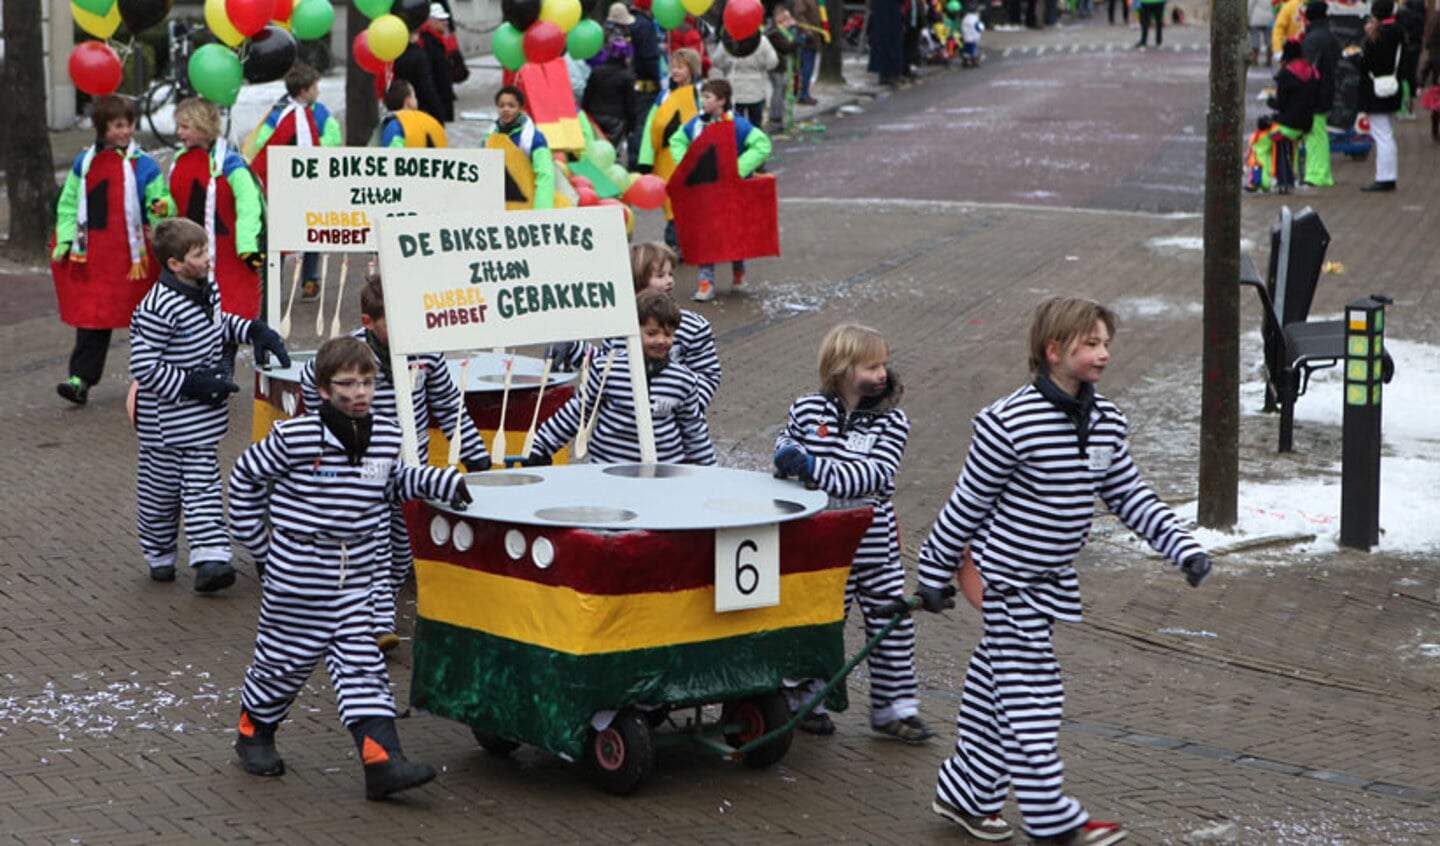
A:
[756,716]
[620,756]
[494,743]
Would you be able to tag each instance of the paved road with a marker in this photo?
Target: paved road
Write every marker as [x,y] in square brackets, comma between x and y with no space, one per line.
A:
[1290,696]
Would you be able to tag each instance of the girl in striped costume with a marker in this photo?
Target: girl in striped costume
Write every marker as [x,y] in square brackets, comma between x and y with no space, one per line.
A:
[434,397]
[681,433]
[653,265]
[1023,506]
[848,439]
[312,502]
[178,336]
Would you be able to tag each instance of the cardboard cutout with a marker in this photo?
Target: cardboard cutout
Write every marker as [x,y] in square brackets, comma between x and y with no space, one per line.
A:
[284,135]
[550,102]
[676,110]
[520,175]
[709,180]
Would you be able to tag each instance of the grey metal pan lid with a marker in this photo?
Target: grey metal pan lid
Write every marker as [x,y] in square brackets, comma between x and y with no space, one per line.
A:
[635,496]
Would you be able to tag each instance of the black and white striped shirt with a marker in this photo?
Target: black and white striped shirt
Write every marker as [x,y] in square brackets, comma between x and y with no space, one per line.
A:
[176,329]
[857,455]
[1025,501]
[681,434]
[694,347]
[434,395]
[336,512]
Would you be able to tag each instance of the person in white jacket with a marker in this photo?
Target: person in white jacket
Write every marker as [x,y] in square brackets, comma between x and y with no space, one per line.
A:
[746,64]
[1262,17]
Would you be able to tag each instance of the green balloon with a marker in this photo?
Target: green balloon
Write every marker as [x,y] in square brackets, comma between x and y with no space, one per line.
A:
[373,8]
[216,73]
[601,153]
[312,19]
[585,40]
[96,7]
[668,13]
[619,175]
[508,45]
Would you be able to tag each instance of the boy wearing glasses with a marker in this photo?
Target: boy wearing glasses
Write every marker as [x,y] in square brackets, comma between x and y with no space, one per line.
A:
[311,502]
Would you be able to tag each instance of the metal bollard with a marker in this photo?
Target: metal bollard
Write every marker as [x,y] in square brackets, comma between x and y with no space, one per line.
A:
[1360,450]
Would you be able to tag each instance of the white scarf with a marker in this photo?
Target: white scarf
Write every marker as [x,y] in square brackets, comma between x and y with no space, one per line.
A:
[217,169]
[303,138]
[134,220]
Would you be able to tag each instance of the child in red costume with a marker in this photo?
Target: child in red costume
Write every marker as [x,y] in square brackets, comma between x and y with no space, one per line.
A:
[213,187]
[101,259]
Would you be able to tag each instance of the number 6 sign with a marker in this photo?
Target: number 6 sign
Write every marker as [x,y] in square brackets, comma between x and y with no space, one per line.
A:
[747,567]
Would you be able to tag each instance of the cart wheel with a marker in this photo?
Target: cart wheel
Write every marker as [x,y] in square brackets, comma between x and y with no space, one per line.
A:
[622,755]
[494,743]
[757,716]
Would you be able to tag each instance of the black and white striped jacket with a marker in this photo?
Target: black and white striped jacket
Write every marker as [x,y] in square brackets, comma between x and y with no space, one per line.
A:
[681,434]
[857,455]
[434,395]
[178,328]
[694,347]
[337,512]
[1025,501]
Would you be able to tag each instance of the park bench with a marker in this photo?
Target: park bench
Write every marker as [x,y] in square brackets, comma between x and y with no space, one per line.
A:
[1295,346]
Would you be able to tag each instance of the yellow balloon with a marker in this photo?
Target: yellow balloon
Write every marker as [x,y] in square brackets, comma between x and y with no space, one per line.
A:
[563,13]
[388,36]
[697,7]
[100,26]
[219,23]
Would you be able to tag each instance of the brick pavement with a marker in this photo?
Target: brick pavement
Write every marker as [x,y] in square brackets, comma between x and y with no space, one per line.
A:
[1307,719]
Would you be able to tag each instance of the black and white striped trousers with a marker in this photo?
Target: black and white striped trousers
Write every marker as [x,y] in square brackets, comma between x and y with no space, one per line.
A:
[172,483]
[893,685]
[1009,723]
[295,631]
[389,583]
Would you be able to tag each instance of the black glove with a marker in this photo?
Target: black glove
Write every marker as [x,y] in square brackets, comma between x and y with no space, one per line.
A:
[936,600]
[462,499]
[792,462]
[211,386]
[266,341]
[1196,568]
[537,460]
[254,261]
[479,465]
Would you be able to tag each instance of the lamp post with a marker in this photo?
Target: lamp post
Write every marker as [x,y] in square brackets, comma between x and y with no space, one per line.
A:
[1360,450]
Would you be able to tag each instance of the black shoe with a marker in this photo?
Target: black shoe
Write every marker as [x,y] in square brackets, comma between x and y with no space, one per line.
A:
[909,730]
[808,101]
[212,576]
[393,776]
[74,389]
[1377,185]
[255,744]
[820,724]
[162,574]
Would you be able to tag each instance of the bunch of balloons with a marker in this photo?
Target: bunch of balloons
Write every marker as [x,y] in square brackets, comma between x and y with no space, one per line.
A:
[539,31]
[391,22]
[95,67]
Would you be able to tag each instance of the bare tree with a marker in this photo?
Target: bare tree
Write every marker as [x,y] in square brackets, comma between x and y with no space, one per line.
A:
[24,137]
[362,111]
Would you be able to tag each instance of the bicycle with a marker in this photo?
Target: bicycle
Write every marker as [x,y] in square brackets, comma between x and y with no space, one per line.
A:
[156,103]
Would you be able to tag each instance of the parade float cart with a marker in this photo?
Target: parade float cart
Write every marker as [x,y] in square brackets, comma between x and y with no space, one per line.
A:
[278,397]
[580,609]
[573,607]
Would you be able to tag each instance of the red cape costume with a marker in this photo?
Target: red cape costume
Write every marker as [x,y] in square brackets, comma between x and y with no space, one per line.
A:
[189,179]
[718,215]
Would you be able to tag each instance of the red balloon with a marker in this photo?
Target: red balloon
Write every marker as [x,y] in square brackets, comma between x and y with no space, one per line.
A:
[95,69]
[610,201]
[581,182]
[588,197]
[283,10]
[743,18]
[543,41]
[249,16]
[647,192]
[360,49]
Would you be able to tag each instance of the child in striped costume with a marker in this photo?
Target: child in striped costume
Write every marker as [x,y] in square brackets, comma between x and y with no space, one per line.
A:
[312,501]
[435,397]
[653,265]
[177,339]
[848,439]
[681,434]
[1023,505]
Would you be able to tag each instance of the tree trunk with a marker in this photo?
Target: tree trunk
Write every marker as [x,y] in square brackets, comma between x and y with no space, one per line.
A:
[24,137]
[1218,506]
[832,55]
[362,108]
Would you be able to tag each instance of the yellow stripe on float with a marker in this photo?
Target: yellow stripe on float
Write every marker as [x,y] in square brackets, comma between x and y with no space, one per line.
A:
[566,620]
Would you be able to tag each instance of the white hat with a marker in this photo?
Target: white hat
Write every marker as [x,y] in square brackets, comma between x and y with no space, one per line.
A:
[620,15]
[438,12]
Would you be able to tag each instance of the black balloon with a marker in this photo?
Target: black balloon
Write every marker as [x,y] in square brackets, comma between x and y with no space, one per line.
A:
[520,13]
[742,48]
[269,55]
[413,12]
[142,14]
